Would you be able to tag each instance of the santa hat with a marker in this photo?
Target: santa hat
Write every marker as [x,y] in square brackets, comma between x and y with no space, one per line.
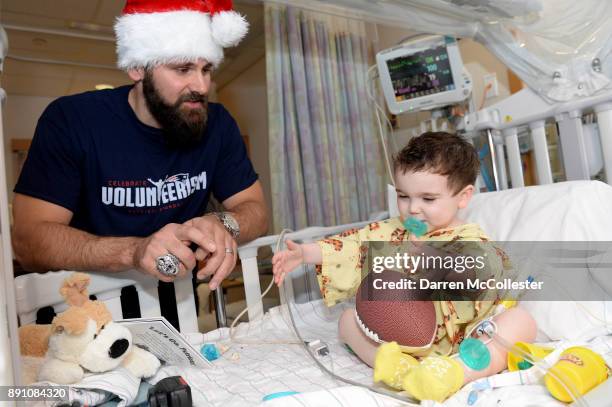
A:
[153,32]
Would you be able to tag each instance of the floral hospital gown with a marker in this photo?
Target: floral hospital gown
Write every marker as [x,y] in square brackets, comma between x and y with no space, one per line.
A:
[344,256]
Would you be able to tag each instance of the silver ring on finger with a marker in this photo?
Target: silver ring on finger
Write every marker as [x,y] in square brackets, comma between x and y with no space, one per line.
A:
[168,264]
[228,250]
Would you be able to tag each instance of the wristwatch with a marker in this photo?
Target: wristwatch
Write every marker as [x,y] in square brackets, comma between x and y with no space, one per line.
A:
[229,223]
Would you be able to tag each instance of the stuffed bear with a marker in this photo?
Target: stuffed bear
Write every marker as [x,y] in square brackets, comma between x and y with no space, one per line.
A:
[83,338]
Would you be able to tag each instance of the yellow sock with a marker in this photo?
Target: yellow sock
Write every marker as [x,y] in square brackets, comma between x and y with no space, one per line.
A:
[435,378]
[391,365]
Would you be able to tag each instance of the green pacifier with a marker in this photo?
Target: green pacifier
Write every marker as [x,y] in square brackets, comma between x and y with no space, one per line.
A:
[475,354]
[415,226]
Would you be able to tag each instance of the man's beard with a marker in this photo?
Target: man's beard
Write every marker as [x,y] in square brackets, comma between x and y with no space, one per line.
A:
[181,127]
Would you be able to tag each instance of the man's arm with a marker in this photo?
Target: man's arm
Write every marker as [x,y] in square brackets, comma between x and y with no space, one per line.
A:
[249,209]
[43,240]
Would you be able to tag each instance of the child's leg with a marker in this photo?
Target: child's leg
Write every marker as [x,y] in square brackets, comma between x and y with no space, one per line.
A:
[513,325]
[437,377]
[351,334]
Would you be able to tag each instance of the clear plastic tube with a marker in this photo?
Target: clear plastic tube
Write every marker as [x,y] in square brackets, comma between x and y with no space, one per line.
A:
[488,329]
[399,396]
[540,364]
[232,331]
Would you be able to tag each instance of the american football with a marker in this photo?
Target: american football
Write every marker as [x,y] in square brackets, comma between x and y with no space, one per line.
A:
[400,314]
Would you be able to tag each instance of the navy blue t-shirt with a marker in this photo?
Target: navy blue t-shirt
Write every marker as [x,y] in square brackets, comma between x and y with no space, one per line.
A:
[91,155]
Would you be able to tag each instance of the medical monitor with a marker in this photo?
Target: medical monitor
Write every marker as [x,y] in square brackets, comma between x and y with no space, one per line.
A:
[423,74]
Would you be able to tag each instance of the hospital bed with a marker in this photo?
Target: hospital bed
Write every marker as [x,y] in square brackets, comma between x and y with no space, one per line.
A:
[265,356]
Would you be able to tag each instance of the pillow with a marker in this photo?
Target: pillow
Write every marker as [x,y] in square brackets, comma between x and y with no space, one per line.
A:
[565,211]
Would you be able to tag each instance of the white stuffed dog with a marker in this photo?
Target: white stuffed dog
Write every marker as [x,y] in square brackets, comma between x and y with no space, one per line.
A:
[83,338]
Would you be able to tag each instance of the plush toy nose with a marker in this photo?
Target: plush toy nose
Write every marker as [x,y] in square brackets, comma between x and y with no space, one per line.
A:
[118,348]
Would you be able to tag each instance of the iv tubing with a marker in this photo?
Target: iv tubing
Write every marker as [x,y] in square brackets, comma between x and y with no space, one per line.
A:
[232,331]
[335,376]
[540,364]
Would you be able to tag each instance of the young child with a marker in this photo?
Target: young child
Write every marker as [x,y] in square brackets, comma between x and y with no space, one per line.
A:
[434,178]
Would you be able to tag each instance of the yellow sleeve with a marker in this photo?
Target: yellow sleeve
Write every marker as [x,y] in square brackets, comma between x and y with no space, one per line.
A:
[458,317]
[344,255]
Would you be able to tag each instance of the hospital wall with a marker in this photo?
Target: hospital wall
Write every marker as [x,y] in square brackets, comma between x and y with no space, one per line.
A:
[245,98]
[20,115]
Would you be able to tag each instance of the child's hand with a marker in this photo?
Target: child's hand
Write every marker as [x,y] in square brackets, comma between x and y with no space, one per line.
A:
[415,240]
[416,244]
[287,260]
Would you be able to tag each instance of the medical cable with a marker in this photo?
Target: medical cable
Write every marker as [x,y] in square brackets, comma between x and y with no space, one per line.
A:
[232,331]
[489,329]
[370,93]
[304,343]
[342,379]
[380,127]
[604,322]
[413,37]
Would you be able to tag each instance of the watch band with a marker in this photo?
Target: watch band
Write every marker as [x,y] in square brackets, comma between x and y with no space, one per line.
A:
[229,223]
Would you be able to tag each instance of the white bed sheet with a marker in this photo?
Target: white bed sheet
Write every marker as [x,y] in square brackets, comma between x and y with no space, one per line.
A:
[269,368]
[568,211]
[262,369]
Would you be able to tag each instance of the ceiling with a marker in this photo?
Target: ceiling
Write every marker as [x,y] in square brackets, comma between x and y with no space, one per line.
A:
[75,39]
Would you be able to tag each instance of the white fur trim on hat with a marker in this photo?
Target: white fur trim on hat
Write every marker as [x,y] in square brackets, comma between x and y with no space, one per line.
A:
[149,39]
[228,28]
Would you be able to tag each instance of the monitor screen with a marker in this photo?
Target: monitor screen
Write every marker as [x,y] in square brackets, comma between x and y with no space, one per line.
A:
[423,73]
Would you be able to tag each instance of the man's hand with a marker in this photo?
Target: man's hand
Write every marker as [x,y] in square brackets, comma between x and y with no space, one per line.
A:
[174,239]
[220,261]
[286,261]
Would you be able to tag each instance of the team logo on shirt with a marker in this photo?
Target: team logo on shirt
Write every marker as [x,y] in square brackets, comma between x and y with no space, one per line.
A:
[151,193]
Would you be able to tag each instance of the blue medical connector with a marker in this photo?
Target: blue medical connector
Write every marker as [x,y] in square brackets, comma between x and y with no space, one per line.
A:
[279,394]
[210,352]
[472,398]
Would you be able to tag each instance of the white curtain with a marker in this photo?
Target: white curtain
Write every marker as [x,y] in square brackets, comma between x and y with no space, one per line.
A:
[326,161]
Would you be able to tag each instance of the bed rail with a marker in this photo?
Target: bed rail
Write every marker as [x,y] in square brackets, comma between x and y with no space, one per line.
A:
[250,268]
[581,143]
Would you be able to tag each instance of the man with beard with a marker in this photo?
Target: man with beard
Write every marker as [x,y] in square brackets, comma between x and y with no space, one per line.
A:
[120,179]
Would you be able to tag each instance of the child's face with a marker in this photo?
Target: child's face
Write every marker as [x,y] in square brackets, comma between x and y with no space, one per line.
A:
[427,197]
